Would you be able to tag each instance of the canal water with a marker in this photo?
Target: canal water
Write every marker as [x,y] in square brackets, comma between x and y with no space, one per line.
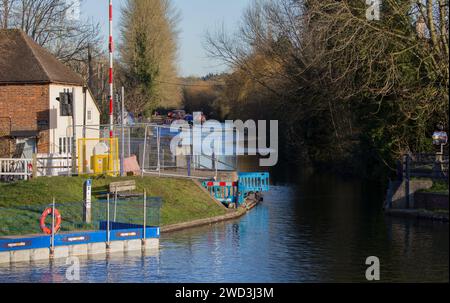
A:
[311,229]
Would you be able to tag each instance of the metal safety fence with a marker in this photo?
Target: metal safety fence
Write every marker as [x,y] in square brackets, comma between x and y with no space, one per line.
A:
[138,149]
[148,149]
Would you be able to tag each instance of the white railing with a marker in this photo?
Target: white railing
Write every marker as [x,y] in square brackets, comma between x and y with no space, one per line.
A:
[48,165]
[16,169]
[43,165]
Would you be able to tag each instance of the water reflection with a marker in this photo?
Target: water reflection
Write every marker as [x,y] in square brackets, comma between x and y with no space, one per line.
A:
[321,229]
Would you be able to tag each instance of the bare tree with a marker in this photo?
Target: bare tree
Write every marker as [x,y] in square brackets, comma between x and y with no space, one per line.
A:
[5,11]
[322,59]
[49,23]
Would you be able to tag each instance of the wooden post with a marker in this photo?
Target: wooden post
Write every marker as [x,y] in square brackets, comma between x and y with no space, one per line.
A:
[34,164]
[25,164]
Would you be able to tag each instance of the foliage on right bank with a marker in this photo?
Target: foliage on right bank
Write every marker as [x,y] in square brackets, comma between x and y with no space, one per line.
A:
[350,93]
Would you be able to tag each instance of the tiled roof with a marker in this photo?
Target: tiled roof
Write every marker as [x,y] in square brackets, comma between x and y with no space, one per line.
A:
[22,61]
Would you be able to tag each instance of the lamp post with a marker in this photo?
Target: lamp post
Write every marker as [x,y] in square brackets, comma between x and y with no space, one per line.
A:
[440,138]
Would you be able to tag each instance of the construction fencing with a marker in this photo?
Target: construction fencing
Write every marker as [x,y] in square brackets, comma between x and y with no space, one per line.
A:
[145,149]
[139,149]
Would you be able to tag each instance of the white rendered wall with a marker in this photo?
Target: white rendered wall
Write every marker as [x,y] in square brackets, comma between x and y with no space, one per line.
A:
[64,124]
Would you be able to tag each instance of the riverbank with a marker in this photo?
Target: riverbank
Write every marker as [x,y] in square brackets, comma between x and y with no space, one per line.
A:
[419,198]
[232,215]
[183,200]
[251,202]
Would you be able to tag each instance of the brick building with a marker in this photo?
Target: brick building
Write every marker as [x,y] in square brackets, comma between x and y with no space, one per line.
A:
[32,119]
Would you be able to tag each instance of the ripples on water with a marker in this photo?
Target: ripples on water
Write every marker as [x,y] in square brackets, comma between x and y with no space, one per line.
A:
[319,231]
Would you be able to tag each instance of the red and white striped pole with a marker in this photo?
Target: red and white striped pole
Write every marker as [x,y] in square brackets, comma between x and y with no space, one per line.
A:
[111,58]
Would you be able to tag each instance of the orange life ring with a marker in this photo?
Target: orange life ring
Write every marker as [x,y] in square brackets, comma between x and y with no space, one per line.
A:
[58,220]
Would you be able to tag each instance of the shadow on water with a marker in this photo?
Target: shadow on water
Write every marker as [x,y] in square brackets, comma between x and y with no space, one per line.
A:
[343,221]
[312,228]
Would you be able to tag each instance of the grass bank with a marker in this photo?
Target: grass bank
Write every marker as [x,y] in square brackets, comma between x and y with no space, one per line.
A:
[182,199]
[439,187]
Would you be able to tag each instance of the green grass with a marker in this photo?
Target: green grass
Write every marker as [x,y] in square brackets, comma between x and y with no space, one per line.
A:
[440,187]
[21,203]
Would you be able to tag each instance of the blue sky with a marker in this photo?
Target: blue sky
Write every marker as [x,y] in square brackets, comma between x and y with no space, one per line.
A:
[197,16]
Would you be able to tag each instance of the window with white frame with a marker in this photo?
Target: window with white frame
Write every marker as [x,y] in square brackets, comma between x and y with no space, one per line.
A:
[65,145]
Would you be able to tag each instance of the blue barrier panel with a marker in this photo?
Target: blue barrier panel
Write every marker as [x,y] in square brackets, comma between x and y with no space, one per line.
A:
[125,231]
[134,234]
[126,234]
[118,225]
[252,182]
[24,243]
[224,192]
[153,232]
[256,182]
[232,192]
[80,238]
